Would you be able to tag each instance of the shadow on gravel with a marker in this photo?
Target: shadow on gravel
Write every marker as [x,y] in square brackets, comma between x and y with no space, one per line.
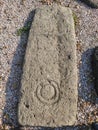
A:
[13,85]
[86,75]
[88,3]
[14,79]
[84,127]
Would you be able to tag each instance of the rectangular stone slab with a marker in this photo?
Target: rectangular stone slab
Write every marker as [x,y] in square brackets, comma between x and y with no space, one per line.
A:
[48,95]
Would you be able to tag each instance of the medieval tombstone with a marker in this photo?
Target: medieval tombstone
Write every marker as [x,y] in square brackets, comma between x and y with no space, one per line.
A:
[49,81]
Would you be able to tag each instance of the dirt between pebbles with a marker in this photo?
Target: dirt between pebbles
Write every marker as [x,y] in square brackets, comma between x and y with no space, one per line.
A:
[15,21]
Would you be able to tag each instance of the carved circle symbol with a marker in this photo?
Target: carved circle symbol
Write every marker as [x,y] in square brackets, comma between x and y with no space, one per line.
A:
[48,93]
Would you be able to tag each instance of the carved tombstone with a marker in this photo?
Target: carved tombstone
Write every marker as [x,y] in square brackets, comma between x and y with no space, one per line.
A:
[49,81]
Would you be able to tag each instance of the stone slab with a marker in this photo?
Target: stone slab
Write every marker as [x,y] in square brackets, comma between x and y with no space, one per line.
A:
[48,95]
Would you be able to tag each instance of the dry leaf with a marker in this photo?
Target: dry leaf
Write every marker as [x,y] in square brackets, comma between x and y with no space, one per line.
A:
[79,47]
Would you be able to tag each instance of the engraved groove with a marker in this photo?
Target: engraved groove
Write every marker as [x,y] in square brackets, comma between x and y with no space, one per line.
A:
[48,93]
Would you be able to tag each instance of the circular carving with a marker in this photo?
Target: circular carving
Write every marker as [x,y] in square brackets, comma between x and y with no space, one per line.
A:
[48,93]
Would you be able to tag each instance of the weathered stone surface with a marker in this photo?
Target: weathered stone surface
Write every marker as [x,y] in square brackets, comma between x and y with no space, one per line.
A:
[49,81]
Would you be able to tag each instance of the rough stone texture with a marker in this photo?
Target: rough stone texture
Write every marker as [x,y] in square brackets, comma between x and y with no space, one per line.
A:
[49,81]
[95,68]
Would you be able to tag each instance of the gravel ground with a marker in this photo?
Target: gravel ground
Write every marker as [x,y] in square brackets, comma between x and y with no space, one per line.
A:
[15,20]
